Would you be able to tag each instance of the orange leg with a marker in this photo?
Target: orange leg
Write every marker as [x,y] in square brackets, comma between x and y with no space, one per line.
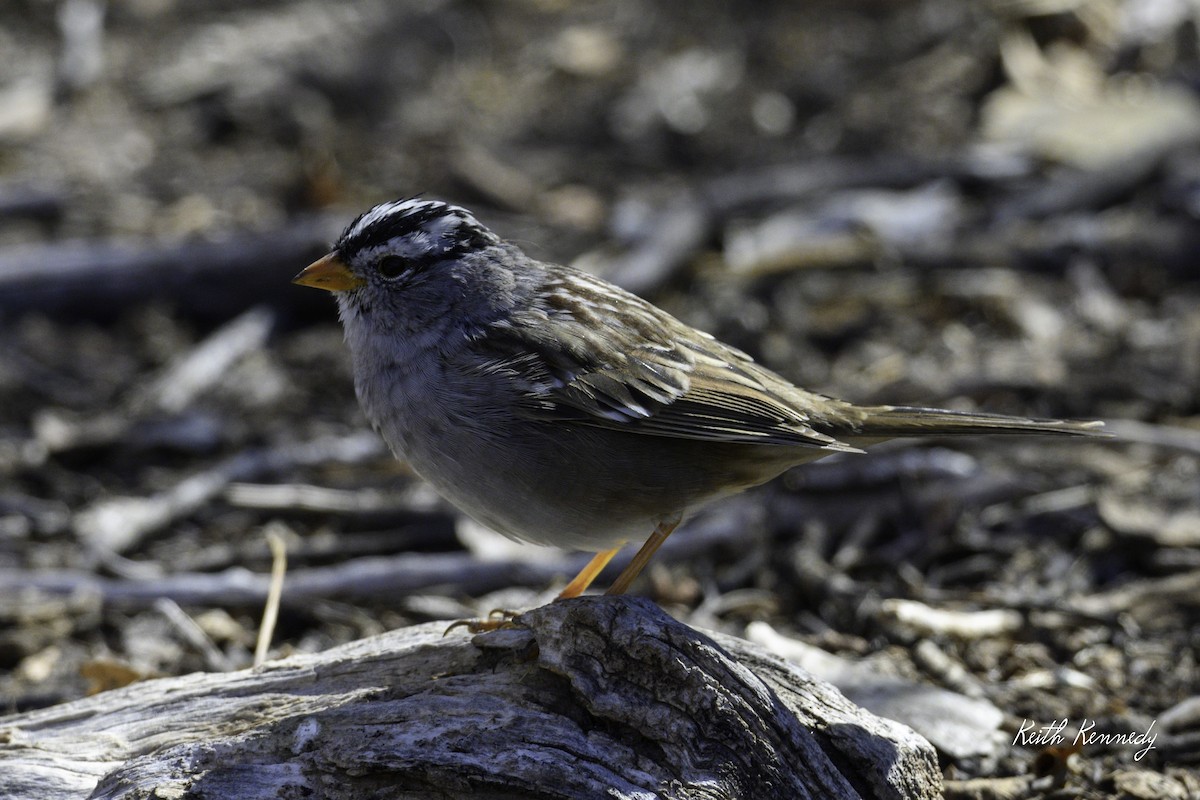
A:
[583,580]
[627,576]
[588,574]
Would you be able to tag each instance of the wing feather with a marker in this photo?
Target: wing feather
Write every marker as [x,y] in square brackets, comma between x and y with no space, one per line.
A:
[628,365]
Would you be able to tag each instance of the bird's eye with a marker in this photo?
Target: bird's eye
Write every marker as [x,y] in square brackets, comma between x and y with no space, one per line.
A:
[390,266]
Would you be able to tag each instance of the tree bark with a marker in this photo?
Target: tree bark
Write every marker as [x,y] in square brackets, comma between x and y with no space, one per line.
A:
[592,697]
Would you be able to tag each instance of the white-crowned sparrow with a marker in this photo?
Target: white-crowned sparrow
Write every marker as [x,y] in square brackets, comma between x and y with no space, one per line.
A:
[559,409]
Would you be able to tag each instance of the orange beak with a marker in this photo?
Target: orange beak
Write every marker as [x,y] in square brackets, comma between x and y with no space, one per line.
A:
[329,273]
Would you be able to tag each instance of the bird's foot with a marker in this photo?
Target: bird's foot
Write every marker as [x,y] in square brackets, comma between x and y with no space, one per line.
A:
[498,619]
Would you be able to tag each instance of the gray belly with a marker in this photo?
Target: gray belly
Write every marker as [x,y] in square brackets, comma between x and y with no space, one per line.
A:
[553,482]
[583,487]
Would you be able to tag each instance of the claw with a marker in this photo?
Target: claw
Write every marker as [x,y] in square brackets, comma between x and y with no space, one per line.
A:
[498,618]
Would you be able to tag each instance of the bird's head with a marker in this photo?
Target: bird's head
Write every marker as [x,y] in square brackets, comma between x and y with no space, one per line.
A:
[409,264]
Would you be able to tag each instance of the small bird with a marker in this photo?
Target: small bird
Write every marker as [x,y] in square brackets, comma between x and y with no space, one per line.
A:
[560,409]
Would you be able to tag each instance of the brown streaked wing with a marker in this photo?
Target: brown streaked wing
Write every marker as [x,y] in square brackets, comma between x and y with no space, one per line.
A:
[630,366]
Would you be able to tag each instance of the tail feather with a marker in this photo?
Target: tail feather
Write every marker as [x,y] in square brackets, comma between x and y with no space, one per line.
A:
[890,421]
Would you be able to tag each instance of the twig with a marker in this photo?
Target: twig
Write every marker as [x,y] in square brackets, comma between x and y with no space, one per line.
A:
[171,393]
[1142,598]
[290,497]
[266,630]
[118,524]
[930,621]
[208,362]
[194,634]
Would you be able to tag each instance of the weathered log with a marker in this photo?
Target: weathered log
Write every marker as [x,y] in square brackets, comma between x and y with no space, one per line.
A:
[593,697]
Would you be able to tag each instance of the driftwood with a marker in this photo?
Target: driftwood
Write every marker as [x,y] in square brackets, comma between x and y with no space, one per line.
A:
[594,697]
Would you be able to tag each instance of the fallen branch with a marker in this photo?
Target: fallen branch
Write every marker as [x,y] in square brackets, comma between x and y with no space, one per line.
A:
[98,279]
[593,697]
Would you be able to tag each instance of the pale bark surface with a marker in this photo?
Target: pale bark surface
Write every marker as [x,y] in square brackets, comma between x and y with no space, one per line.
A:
[598,697]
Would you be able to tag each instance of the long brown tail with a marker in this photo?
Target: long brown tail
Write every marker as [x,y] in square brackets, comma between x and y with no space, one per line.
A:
[890,421]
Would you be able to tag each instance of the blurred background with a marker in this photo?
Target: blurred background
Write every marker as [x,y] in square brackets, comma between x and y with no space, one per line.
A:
[975,205]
